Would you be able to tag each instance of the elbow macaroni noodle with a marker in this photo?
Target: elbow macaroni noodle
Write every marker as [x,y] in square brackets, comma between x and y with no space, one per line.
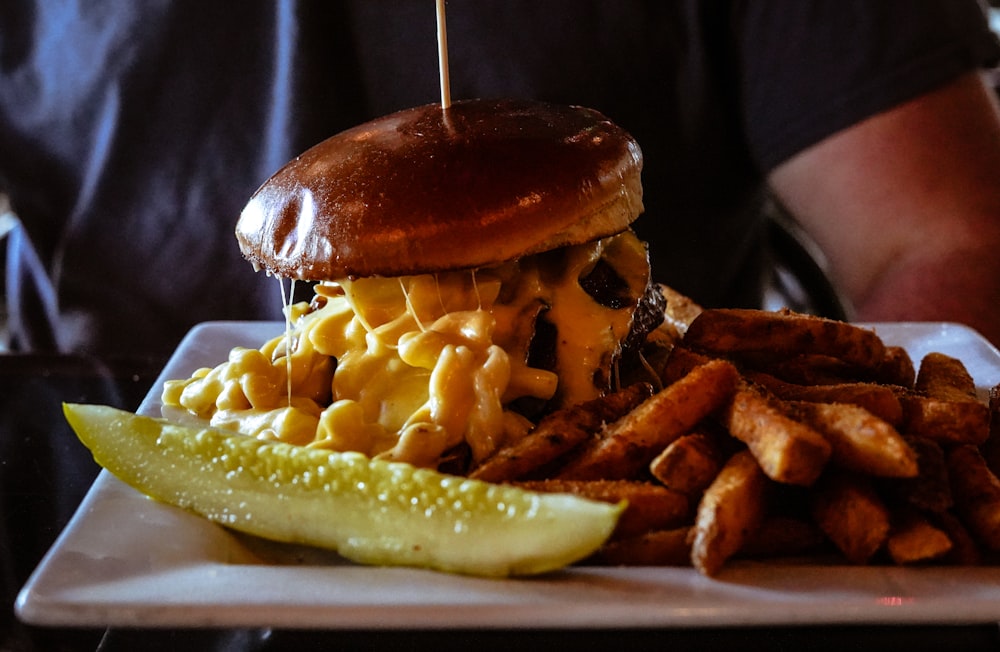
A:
[408,368]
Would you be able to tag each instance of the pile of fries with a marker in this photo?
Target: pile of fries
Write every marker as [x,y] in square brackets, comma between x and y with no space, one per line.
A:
[780,435]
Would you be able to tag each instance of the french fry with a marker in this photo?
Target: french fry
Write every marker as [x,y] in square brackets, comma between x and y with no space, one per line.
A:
[681,310]
[688,464]
[977,494]
[991,447]
[861,441]
[777,435]
[849,511]
[944,405]
[650,506]
[787,450]
[964,550]
[681,362]
[783,334]
[913,539]
[946,378]
[945,421]
[880,400]
[629,444]
[896,368]
[557,434]
[730,510]
[807,369]
[930,489]
[655,548]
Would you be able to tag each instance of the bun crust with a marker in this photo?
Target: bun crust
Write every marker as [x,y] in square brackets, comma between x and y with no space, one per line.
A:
[427,190]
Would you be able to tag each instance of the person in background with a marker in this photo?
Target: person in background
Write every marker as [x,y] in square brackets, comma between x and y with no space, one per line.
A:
[131,134]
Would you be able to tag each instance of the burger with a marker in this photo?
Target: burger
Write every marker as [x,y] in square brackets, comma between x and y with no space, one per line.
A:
[473,268]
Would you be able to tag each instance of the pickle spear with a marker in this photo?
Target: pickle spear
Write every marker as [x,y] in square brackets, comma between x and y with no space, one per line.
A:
[369,511]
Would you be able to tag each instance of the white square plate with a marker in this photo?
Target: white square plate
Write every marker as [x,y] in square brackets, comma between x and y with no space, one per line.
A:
[125,560]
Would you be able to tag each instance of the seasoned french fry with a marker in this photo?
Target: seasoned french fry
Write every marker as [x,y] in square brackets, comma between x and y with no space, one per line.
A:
[880,400]
[896,368]
[991,447]
[913,539]
[783,334]
[557,434]
[946,378]
[944,406]
[629,444]
[977,494]
[688,464]
[681,310]
[650,506]
[861,441]
[807,369]
[775,435]
[787,450]
[945,421]
[656,548]
[964,550]
[731,509]
[930,489]
[681,362]
[848,509]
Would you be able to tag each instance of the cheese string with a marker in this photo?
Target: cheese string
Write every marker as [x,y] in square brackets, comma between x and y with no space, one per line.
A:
[475,288]
[442,38]
[286,303]
[409,305]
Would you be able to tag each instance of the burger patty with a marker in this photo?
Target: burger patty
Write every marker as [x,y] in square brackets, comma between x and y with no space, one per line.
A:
[609,289]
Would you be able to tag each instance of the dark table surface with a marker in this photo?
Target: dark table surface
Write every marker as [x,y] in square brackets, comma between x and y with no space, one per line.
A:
[45,472]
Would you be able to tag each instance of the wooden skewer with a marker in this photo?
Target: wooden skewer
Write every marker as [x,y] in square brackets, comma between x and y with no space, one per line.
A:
[442,35]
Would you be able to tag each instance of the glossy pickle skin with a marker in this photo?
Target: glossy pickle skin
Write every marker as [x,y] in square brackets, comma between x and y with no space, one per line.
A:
[369,511]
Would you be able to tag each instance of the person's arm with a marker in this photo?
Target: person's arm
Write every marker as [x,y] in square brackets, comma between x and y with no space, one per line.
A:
[906,205]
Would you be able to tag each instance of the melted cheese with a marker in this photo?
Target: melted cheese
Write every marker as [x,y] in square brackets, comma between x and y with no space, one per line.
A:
[408,368]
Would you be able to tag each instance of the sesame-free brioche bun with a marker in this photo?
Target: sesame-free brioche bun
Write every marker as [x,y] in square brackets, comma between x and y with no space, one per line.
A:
[427,190]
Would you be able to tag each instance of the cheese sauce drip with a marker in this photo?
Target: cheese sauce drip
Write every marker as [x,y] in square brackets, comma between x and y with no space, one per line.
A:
[409,368]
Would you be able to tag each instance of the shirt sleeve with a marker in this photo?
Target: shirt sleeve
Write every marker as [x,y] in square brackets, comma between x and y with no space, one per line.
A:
[810,69]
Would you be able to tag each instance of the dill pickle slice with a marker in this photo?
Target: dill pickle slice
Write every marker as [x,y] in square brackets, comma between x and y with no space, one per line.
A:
[369,511]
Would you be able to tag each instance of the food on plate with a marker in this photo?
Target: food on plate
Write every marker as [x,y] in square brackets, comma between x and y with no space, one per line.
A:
[369,511]
[976,493]
[783,335]
[879,494]
[688,464]
[806,451]
[474,269]
[628,445]
[913,539]
[945,407]
[729,512]
[558,433]
[849,510]
[789,451]
[859,440]
[487,344]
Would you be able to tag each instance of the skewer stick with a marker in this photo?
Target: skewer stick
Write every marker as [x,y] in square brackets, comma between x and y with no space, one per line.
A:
[442,35]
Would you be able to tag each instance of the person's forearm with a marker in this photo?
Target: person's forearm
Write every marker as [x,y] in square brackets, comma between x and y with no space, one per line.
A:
[962,287]
[906,205]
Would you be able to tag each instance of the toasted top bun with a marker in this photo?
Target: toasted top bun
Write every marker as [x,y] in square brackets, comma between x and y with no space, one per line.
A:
[427,190]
